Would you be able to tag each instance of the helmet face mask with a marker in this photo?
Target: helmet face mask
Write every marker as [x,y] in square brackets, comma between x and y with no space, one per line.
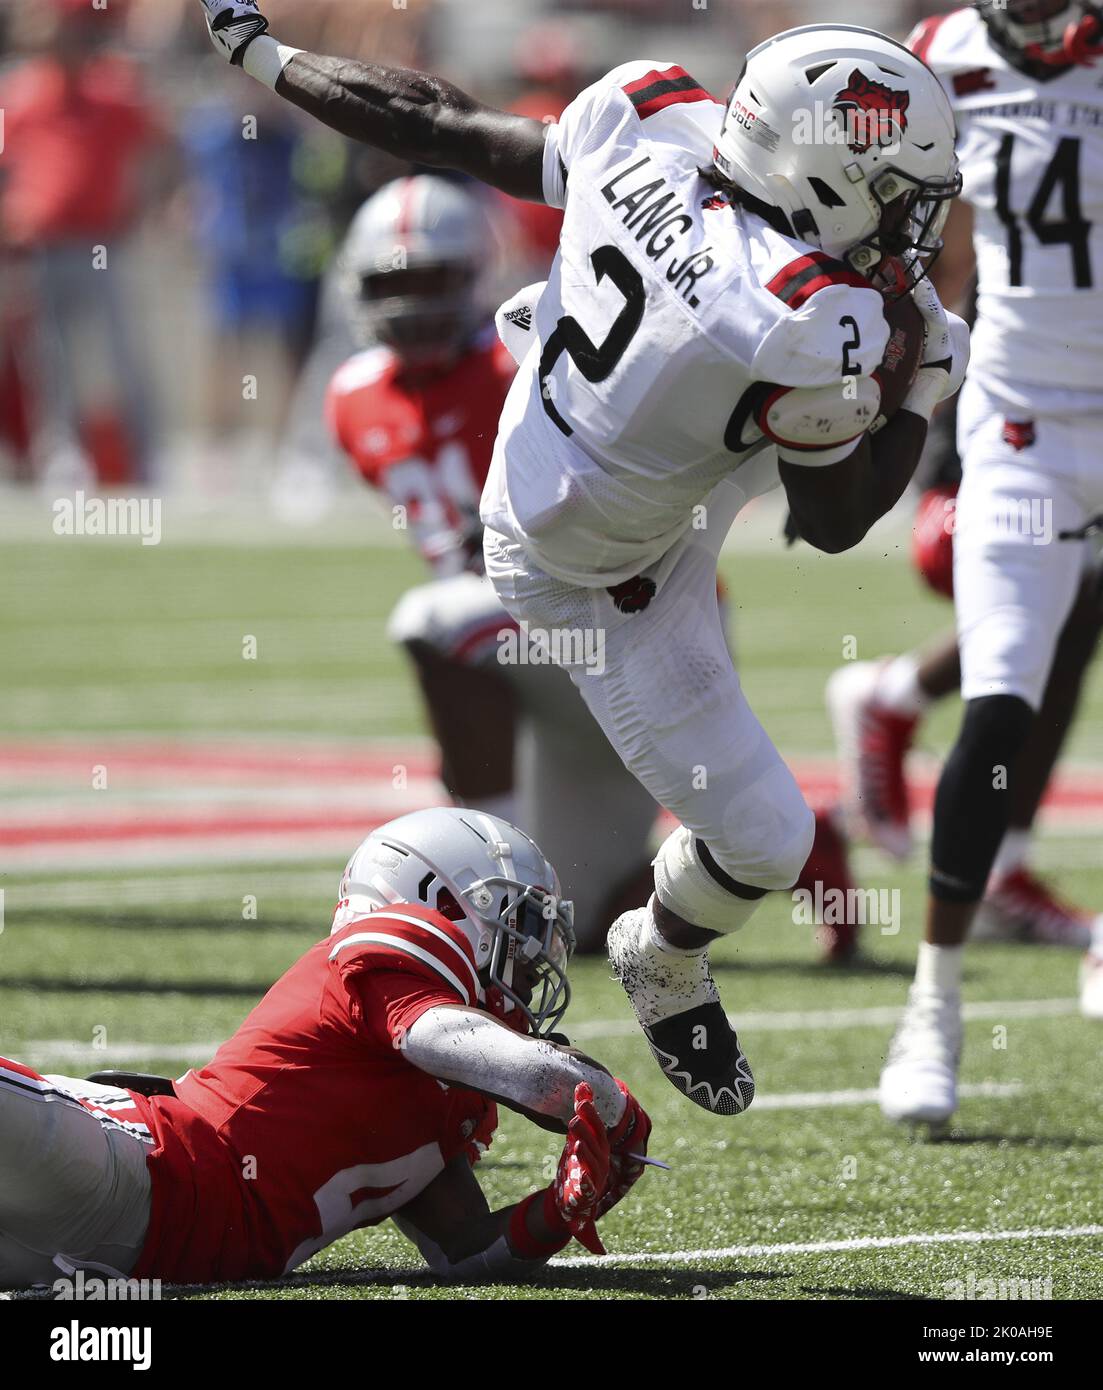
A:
[914,212]
[425,313]
[1030,31]
[533,941]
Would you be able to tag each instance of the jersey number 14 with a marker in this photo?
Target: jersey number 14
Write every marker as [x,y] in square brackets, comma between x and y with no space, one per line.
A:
[1071,229]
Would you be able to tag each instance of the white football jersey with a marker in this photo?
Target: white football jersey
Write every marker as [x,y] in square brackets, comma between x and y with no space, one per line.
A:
[666,312]
[1031,153]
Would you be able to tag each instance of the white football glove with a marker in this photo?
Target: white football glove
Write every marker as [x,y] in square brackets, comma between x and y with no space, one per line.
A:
[233,25]
[945,353]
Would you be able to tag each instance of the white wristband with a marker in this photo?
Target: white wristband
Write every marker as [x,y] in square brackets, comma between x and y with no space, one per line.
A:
[928,388]
[265,59]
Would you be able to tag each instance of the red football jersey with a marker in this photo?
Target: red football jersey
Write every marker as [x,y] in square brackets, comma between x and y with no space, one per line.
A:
[426,442]
[309,1122]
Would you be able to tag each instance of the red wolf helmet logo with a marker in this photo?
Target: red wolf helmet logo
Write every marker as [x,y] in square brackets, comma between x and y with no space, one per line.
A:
[874,114]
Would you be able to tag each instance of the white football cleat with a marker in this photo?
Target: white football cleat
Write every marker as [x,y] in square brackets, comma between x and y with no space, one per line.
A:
[1091,986]
[919,1081]
[678,1007]
[873,744]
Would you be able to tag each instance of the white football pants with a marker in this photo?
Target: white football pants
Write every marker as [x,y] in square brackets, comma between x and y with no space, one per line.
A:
[661,684]
[1024,480]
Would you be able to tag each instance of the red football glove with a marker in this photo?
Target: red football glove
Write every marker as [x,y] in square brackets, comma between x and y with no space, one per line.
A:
[629,1135]
[1082,44]
[583,1172]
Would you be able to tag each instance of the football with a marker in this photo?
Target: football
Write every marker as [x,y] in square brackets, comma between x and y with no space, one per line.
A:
[902,355]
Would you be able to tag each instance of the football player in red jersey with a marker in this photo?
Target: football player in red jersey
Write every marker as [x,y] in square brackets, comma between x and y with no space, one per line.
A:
[361,1087]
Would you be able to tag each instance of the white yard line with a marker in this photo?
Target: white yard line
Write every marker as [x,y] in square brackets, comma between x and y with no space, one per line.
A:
[66,1050]
[880,1016]
[831,1100]
[827,1247]
[55,1051]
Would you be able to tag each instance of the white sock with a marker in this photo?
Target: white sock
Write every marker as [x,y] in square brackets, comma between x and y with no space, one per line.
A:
[938,969]
[661,980]
[898,687]
[1012,853]
[1096,947]
[652,938]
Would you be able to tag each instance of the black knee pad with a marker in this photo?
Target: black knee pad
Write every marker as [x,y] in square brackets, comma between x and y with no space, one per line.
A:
[971,806]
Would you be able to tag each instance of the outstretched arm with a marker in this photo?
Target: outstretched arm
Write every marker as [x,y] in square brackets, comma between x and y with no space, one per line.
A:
[461,1238]
[413,115]
[606,1132]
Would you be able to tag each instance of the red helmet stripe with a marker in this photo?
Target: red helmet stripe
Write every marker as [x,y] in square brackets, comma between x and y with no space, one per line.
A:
[406,207]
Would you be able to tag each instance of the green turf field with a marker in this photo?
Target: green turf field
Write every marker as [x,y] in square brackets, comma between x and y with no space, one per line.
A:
[108,639]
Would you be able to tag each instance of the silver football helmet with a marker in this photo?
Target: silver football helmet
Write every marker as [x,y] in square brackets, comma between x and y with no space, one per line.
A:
[491,880]
[414,258]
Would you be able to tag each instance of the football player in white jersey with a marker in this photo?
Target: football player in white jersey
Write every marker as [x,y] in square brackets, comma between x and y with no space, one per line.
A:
[711,327]
[1028,96]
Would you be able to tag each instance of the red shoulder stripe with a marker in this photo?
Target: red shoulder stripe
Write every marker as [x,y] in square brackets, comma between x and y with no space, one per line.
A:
[661,88]
[797,282]
[403,932]
[924,34]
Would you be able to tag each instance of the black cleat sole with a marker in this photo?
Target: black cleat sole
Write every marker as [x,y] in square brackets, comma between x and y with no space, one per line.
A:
[699,1053]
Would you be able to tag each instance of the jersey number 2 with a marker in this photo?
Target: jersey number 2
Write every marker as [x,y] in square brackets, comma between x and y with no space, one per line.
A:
[595,361]
[851,345]
[1070,230]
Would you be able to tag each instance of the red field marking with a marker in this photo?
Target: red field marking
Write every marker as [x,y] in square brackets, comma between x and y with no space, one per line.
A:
[1077,795]
[200,825]
[214,761]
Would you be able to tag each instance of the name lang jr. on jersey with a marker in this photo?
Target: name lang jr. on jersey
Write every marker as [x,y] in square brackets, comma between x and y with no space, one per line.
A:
[646,211]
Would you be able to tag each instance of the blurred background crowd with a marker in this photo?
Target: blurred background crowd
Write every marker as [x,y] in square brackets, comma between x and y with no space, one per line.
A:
[170,290]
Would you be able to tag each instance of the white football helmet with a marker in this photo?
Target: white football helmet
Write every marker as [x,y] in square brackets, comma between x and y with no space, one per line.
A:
[851,136]
[491,880]
[413,260]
